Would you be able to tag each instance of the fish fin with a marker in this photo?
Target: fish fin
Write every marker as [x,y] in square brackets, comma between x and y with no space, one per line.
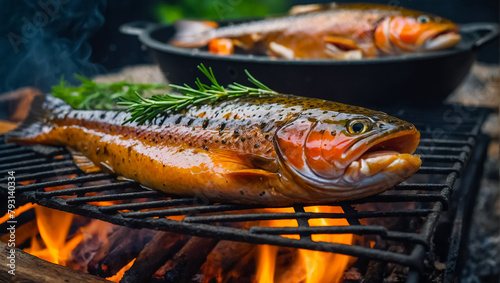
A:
[341,43]
[85,164]
[265,163]
[303,9]
[35,123]
[251,173]
[342,48]
[121,178]
[249,41]
[232,159]
[193,33]
[106,167]
[281,51]
[241,161]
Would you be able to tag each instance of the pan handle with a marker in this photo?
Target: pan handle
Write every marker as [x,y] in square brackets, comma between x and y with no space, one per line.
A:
[135,28]
[491,30]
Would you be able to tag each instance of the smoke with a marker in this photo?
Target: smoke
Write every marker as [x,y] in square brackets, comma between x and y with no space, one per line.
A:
[44,40]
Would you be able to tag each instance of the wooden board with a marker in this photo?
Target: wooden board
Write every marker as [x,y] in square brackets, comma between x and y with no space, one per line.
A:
[30,269]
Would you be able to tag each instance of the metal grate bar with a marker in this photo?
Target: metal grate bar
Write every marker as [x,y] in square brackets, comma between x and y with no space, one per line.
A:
[187,210]
[146,205]
[14,158]
[352,229]
[302,222]
[53,165]
[108,197]
[443,158]
[446,142]
[306,215]
[7,166]
[355,229]
[443,148]
[44,174]
[7,145]
[351,214]
[98,188]
[420,187]
[449,133]
[13,151]
[399,198]
[76,180]
[439,170]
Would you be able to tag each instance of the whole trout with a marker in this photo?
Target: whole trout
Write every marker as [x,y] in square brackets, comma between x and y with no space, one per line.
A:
[275,150]
[334,31]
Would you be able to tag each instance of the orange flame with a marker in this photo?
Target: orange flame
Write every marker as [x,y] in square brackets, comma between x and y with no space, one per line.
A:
[118,276]
[314,266]
[57,245]
[53,227]
[267,261]
[325,266]
[17,212]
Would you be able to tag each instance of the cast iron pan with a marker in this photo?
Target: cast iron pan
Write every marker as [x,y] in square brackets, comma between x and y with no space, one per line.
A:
[424,79]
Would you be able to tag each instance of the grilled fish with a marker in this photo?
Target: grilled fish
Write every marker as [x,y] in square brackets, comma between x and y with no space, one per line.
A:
[334,31]
[272,150]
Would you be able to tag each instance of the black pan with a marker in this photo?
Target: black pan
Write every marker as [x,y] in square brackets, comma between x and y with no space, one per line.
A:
[407,79]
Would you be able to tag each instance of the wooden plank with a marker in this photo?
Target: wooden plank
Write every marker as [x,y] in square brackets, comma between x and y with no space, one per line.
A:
[30,269]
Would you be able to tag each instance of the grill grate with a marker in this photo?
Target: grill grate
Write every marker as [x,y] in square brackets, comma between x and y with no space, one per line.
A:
[450,136]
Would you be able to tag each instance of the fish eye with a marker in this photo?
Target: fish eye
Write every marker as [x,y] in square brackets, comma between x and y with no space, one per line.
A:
[423,19]
[358,127]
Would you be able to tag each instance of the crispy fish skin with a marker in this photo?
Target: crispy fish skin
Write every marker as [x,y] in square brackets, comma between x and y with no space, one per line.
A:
[339,31]
[245,150]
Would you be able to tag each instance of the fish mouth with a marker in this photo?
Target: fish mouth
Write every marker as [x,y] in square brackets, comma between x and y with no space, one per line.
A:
[385,163]
[400,142]
[442,39]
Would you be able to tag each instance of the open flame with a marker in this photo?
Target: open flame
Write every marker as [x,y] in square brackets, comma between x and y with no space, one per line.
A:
[309,266]
[57,234]
[71,240]
[266,259]
[17,212]
[54,229]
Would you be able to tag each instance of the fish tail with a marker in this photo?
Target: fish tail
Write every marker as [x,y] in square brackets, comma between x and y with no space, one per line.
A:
[193,33]
[37,122]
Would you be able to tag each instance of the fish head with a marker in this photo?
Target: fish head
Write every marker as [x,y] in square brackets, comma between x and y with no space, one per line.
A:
[415,33]
[349,155]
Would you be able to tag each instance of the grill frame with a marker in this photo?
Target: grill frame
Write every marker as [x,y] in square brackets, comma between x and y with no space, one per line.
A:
[466,141]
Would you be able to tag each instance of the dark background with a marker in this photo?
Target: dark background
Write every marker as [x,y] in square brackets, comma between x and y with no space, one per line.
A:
[83,37]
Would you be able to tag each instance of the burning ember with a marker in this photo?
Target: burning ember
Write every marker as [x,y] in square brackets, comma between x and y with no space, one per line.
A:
[86,245]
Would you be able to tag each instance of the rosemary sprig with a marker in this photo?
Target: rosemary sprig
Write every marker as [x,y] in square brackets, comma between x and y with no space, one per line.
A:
[99,96]
[143,109]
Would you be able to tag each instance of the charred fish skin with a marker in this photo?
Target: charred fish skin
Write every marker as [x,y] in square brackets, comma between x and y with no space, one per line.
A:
[250,150]
[340,31]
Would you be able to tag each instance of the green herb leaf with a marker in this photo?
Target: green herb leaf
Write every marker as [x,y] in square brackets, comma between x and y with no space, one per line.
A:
[99,96]
[143,110]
